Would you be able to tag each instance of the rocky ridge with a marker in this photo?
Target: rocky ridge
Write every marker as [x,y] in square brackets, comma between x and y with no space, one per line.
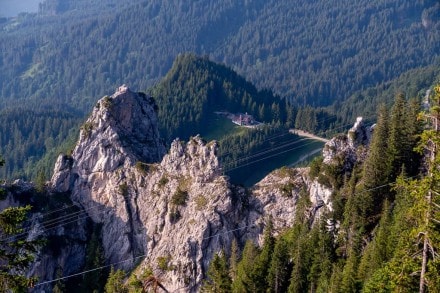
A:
[175,213]
[172,212]
[347,149]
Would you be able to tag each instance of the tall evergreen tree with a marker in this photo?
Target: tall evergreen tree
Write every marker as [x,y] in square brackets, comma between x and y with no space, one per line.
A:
[376,167]
[322,258]
[278,274]
[233,260]
[94,281]
[243,282]
[16,253]
[219,280]
[427,194]
[262,262]
[377,252]
[115,282]
[397,140]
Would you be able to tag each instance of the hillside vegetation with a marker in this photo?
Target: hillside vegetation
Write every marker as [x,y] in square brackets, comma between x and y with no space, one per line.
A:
[74,52]
[383,232]
[312,52]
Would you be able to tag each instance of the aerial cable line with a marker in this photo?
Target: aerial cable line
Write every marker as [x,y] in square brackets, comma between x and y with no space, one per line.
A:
[287,142]
[81,216]
[231,167]
[54,223]
[132,259]
[205,238]
[265,157]
[266,151]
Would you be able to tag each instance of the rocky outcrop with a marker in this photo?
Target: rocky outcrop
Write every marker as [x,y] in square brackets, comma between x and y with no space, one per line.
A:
[121,131]
[171,213]
[346,149]
[65,236]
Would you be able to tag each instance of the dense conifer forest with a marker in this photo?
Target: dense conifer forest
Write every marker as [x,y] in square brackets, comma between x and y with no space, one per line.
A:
[73,52]
[312,65]
[381,236]
[382,233]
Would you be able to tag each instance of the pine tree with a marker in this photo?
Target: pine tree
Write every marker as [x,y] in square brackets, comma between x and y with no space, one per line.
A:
[95,258]
[40,181]
[233,259]
[219,280]
[376,167]
[377,253]
[243,282]
[115,282]
[397,142]
[413,129]
[278,275]
[16,253]
[261,265]
[427,194]
[302,259]
[415,264]
[322,258]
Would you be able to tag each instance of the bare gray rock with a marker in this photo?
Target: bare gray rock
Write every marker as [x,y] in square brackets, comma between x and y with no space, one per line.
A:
[346,149]
[171,213]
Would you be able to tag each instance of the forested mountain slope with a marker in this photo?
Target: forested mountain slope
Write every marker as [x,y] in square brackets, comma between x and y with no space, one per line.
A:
[313,52]
[27,134]
[196,87]
[381,233]
[74,51]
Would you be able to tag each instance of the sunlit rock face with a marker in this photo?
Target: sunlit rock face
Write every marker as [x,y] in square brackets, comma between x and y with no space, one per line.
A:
[347,149]
[171,212]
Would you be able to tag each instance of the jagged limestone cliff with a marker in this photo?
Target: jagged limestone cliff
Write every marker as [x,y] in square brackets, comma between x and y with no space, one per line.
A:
[169,213]
[347,149]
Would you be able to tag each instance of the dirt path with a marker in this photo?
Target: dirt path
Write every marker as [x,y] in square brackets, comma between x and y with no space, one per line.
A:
[307,134]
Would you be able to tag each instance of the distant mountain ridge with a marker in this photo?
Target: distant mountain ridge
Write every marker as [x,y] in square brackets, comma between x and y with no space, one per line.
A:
[77,53]
[310,52]
[196,87]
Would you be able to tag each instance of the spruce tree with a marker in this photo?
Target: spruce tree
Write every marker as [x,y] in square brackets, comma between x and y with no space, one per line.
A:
[115,282]
[95,258]
[376,167]
[243,282]
[219,280]
[233,259]
[397,140]
[427,195]
[16,252]
[323,257]
[261,265]
[413,129]
[377,252]
[278,275]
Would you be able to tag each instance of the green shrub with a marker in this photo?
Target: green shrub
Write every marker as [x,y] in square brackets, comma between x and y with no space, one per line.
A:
[123,189]
[107,102]
[142,167]
[201,202]
[163,181]
[87,129]
[315,167]
[174,215]
[287,189]
[3,194]
[179,197]
[286,172]
[163,262]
